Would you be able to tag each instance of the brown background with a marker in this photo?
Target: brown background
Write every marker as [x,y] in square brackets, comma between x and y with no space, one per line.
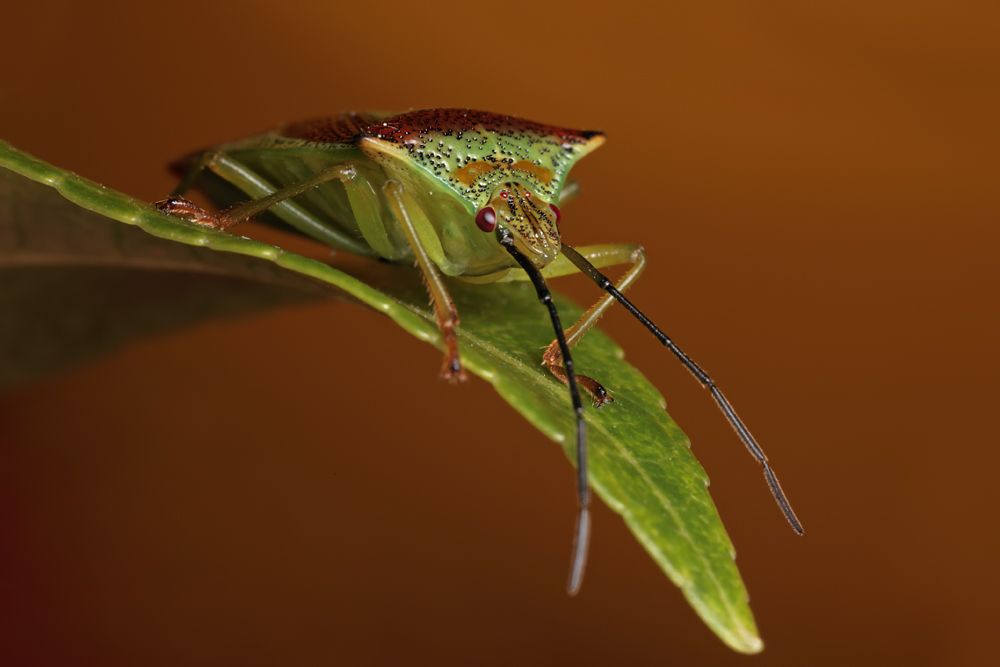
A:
[817,191]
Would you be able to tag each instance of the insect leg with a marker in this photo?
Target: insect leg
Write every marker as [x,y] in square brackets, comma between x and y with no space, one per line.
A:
[412,219]
[741,430]
[582,539]
[598,255]
[266,196]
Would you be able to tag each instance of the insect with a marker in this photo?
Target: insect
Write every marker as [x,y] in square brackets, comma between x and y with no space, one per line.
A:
[468,194]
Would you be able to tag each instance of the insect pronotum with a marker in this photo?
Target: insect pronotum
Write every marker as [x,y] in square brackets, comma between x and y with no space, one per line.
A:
[469,194]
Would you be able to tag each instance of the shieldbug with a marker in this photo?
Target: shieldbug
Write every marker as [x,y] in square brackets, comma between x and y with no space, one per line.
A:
[468,194]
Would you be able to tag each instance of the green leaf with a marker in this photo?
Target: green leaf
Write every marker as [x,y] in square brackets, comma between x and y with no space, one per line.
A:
[74,284]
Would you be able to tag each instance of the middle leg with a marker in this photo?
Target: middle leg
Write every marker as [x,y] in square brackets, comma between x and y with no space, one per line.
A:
[426,245]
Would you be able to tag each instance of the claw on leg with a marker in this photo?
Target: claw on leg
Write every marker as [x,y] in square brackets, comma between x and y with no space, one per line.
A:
[553,359]
[452,370]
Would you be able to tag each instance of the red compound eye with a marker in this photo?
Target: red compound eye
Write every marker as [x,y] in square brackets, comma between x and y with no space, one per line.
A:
[503,194]
[555,209]
[527,194]
[486,219]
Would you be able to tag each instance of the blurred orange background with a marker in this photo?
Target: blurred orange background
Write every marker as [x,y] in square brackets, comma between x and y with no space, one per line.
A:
[816,187]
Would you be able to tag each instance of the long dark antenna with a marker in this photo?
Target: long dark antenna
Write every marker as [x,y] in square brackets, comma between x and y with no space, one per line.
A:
[582,538]
[741,430]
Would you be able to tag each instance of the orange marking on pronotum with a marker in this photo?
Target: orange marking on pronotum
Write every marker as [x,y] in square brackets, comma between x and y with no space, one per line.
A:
[470,173]
[541,173]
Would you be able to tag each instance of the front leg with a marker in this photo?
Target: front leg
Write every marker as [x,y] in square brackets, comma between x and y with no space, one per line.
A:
[599,256]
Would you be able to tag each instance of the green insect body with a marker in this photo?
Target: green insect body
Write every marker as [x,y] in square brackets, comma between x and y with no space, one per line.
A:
[468,194]
[451,163]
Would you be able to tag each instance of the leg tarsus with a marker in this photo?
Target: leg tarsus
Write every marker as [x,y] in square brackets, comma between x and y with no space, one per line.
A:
[553,359]
[188,210]
[451,369]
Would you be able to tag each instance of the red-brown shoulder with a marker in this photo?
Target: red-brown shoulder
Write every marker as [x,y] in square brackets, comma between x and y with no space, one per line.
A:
[332,130]
[414,125]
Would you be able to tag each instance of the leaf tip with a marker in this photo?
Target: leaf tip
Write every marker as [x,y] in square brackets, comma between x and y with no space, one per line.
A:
[751,644]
